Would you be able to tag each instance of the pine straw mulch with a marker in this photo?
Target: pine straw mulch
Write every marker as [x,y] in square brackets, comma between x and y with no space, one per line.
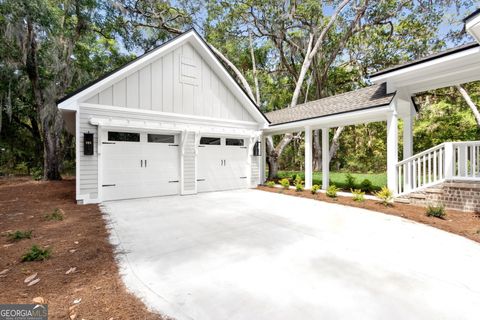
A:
[466,224]
[79,241]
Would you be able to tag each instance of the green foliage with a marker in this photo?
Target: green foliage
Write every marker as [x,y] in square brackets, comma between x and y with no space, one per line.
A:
[349,181]
[55,215]
[285,183]
[36,254]
[315,188]
[385,195]
[298,179]
[37,173]
[332,191]
[366,185]
[358,195]
[19,235]
[299,187]
[437,211]
[270,184]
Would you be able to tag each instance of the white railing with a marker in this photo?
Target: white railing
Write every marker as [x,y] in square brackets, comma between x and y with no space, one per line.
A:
[447,161]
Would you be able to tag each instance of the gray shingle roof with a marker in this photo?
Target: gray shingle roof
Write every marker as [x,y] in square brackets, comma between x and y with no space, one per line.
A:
[369,97]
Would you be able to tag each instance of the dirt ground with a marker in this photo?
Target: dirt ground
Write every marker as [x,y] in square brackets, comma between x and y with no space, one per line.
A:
[466,224]
[94,290]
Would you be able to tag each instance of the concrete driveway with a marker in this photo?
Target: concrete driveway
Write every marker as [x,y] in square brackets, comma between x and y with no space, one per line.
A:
[250,254]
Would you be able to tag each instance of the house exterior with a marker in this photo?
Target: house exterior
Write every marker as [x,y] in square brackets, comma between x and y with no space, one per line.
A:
[174,122]
[171,122]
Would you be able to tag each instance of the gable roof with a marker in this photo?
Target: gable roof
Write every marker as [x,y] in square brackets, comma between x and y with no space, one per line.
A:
[426,58]
[68,102]
[365,98]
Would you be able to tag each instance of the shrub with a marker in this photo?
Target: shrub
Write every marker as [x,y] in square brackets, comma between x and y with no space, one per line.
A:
[56,215]
[385,195]
[270,184]
[358,195]
[285,183]
[19,235]
[349,181]
[436,211]
[36,254]
[366,185]
[315,188]
[332,191]
[37,173]
[298,179]
[299,187]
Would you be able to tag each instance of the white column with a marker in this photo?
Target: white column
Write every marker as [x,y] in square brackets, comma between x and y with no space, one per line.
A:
[325,158]
[263,158]
[308,158]
[408,136]
[449,159]
[392,148]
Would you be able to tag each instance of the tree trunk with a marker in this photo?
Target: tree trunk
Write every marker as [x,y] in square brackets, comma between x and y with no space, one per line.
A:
[470,103]
[335,142]
[317,160]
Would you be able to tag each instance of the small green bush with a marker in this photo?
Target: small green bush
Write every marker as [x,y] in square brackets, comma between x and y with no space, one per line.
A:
[285,183]
[315,188]
[56,215]
[358,195]
[385,195]
[332,191]
[298,187]
[37,173]
[436,211]
[36,254]
[298,179]
[270,184]
[19,235]
[366,185]
[349,181]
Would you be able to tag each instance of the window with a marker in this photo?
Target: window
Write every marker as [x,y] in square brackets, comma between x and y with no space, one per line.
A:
[210,141]
[123,136]
[161,138]
[234,142]
[256,149]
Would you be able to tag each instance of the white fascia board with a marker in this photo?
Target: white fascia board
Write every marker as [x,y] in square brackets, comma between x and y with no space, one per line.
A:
[125,71]
[473,27]
[216,65]
[175,117]
[338,120]
[415,71]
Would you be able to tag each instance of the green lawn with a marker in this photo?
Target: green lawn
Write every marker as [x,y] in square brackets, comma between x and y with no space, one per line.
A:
[338,178]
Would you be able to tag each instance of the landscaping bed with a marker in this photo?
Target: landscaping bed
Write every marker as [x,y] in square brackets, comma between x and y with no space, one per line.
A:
[466,224]
[79,279]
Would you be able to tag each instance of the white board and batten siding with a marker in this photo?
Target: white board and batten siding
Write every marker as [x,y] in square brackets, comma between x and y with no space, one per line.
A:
[178,82]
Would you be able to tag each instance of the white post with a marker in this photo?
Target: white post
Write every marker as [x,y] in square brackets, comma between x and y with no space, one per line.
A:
[449,161]
[263,153]
[408,136]
[392,148]
[325,158]
[308,158]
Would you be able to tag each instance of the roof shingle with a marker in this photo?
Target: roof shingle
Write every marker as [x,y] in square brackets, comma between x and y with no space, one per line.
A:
[369,97]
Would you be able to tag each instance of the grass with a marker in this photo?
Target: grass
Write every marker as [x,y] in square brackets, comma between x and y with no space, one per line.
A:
[36,254]
[19,235]
[339,178]
[56,215]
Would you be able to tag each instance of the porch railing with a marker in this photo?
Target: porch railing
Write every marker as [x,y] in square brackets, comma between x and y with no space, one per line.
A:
[447,161]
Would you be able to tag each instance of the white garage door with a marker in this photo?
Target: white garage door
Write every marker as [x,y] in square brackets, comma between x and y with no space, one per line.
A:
[139,165]
[222,164]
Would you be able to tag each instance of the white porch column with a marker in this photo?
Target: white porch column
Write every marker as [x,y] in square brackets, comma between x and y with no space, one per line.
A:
[263,158]
[408,137]
[325,159]
[308,158]
[392,148]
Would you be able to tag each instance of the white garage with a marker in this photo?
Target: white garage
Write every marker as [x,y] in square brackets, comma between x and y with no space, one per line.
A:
[173,121]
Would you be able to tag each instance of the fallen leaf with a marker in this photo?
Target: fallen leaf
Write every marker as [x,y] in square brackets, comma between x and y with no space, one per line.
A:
[97,288]
[76,242]
[38,300]
[78,290]
[72,250]
[77,301]
[30,278]
[73,316]
[71,270]
[4,271]
[8,245]
[33,282]
[71,308]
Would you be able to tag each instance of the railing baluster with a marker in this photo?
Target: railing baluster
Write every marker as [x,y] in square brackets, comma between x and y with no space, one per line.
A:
[435,159]
[429,168]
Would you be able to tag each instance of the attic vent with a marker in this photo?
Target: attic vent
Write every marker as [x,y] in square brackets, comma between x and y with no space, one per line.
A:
[189,71]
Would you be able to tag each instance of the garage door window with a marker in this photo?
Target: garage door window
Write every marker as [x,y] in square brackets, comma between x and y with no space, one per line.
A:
[234,142]
[123,136]
[210,141]
[161,138]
